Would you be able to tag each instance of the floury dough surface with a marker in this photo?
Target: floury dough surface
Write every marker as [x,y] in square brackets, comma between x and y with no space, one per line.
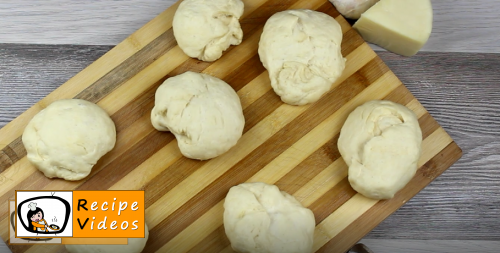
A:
[135,245]
[301,51]
[381,143]
[67,138]
[203,112]
[259,218]
[205,28]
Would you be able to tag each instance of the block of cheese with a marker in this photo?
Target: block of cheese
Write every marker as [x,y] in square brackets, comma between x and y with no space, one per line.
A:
[400,26]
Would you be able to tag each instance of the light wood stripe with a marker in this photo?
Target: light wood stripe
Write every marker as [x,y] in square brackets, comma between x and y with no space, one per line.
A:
[292,147]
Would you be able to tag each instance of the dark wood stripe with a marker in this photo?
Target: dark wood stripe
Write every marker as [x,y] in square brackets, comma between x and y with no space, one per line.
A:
[214,242]
[310,167]
[245,73]
[428,125]
[376,214]
[6,159]
[258,18]
[184,167]
[191,65]
[18,248]
[129,68]
[106,176]
[332,200]
[169,178]
[135,109]
[400,95]
[350,42]
[12,153]
[369,73]
[251,164]
[329,9]
[260,109]
[373,70]
[60,249]
[52,248]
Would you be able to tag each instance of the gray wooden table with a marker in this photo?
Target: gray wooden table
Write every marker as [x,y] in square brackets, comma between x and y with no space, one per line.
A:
[456,77]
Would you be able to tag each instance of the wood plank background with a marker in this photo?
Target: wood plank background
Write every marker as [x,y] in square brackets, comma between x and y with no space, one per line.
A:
[461,90]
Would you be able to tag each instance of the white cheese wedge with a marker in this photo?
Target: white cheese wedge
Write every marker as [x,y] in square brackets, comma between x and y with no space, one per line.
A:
[400,26]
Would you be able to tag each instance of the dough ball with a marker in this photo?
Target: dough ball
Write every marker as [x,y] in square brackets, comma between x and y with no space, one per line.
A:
[259,218]
[301,51]
[204,29]
[203,112]
[67,138]
[135,245]
[353,8]
[381,143]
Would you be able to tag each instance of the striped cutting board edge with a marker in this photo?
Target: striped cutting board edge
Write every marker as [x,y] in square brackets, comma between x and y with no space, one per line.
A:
[292,147]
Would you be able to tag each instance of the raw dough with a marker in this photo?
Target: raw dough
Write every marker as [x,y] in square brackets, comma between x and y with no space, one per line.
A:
[67,138]
[259,218]
[301,51]
[203,112]
[353,8]
[381,143]
[135,245]
[205,28]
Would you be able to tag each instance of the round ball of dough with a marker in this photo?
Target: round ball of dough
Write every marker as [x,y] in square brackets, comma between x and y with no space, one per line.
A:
[381,143]
[203,112]
[67,138]
[259,218]
[301,51]
[204,29]
[135,245]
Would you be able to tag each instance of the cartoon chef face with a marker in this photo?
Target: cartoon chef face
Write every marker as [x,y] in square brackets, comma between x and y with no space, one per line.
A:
[37,216]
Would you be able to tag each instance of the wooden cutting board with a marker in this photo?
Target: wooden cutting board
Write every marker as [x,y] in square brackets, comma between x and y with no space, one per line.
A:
[290,146]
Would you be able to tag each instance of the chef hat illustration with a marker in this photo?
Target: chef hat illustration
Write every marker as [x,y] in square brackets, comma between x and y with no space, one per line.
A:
[32,206]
